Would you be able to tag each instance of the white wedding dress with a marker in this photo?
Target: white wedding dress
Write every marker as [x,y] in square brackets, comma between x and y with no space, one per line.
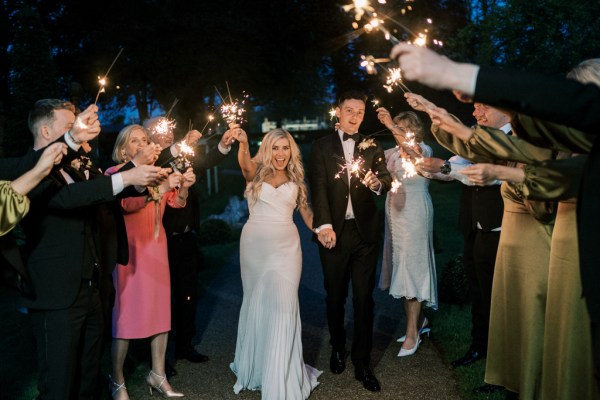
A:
[268,354]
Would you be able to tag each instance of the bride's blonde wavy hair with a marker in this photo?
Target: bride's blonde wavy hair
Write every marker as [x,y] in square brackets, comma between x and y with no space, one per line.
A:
[265,168]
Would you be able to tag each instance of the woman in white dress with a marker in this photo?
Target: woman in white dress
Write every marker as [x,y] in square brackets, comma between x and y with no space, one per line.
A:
[408,267]
[268,354]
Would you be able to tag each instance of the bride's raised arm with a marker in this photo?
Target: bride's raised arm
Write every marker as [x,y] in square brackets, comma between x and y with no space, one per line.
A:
[247,165]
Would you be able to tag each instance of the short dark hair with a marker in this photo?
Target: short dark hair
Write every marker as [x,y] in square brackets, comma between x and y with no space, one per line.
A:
[43,110]
[352,94]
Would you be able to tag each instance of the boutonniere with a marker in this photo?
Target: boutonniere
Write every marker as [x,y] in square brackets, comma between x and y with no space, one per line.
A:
[81,163]
[365,144]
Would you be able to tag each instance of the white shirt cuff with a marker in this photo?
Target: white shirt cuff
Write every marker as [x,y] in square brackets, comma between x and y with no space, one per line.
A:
[70,142]
[117,183]
[324,226]
[223,149]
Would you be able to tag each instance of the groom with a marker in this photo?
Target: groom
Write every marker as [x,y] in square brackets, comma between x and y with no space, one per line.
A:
[348,229]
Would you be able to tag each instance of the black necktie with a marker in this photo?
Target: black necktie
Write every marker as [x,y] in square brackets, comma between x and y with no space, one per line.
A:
[346,137]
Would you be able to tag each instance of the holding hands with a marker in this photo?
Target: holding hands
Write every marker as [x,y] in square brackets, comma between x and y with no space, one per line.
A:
[327,238]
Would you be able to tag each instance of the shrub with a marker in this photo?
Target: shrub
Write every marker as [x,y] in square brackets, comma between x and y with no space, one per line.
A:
[454,288]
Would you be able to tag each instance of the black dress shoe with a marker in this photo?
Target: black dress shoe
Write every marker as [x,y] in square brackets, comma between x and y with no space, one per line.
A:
[192,356]
[365,375]
[169,370]
[337,364]
[487,389]
[469,358]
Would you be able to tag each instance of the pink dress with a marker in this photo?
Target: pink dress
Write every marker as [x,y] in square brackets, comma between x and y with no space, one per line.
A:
[143,289]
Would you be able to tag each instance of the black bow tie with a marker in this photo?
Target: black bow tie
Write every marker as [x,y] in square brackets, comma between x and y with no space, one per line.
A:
[351,137]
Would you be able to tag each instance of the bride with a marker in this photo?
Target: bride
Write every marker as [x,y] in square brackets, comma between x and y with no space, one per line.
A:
[268,354]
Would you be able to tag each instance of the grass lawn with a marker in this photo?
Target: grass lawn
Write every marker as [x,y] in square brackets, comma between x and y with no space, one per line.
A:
[450,324]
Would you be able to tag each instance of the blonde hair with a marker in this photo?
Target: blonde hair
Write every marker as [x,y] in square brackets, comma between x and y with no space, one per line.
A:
[414,123]
[264,161]
[121,141]
[587,71]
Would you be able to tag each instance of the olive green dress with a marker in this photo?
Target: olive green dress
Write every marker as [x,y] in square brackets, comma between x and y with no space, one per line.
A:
[517,314]
[567,366]
[13,207]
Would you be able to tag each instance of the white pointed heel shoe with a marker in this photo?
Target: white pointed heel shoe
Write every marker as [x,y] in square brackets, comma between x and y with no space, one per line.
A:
[161,380]
[423,331]
[409,352]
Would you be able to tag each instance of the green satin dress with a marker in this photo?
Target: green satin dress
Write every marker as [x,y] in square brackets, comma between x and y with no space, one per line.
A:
[13,207]
[518,309]
[567,363]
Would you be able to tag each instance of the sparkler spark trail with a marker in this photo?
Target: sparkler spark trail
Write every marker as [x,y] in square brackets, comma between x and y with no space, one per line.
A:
[103,80]
[394,78]
[395,185]
[232,111]
[163,126]
[354,167]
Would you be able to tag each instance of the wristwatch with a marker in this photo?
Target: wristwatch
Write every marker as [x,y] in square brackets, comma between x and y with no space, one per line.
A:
[446,168]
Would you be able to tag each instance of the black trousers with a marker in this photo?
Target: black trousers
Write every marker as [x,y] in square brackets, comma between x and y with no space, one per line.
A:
[351,260]
[479,260]
[184,265]
[69,343]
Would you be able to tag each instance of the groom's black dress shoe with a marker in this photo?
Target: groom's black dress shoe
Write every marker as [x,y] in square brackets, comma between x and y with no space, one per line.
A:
[469,358]
[337,364]
[364,374]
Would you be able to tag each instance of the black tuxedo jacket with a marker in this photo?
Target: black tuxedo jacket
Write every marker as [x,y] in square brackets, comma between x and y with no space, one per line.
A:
[569,103]
[481,204]
[330,193]
[63,220]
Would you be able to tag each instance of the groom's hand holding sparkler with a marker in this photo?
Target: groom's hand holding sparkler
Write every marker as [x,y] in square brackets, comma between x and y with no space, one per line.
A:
[371,181]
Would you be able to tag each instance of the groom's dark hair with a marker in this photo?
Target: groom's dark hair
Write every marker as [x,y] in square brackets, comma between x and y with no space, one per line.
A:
[352,94]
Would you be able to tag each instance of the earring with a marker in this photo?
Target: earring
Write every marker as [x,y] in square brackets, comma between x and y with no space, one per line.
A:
[123,155]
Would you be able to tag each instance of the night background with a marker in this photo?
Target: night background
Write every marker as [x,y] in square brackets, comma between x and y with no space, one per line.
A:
[291,57]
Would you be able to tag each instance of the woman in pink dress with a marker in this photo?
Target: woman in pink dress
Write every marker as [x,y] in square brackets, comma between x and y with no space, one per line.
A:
[143,298]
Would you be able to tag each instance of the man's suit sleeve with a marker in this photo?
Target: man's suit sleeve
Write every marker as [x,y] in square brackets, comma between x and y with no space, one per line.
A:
[79,194]
[13,167]
[318,187]
[549,97]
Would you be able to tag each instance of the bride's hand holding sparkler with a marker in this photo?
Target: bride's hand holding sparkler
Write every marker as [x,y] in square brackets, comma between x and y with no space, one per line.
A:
[371,181]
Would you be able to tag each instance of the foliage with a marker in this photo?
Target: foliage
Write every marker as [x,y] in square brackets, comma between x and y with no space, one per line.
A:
[453,282]
[546,35]
[32,77]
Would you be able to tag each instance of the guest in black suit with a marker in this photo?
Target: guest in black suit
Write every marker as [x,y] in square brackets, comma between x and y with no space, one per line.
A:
[181,226]
[349,229]
[552,98]
[63,258]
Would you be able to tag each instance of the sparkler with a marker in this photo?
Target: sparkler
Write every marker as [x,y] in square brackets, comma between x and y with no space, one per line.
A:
[163,126]
[354,167]
[394,78]
[232,111]
[182,162]
[103,80]
[395,185]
